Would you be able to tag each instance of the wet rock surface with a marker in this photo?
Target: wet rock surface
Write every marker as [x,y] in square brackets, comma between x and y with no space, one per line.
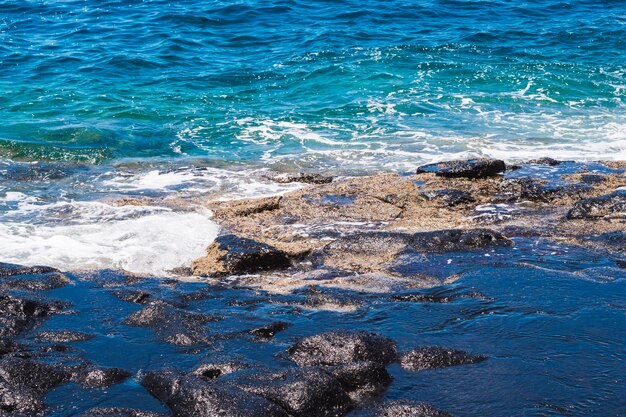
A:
[431,357]
[231,255]
[597,207]
[375,267]
[472,168]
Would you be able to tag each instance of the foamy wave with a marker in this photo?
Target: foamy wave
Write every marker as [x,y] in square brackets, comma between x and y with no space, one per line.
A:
[150,244]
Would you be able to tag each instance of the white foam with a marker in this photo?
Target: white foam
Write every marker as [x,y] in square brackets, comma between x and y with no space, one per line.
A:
[149,244]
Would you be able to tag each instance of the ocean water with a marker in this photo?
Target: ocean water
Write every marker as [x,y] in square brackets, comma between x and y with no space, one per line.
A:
[100,99]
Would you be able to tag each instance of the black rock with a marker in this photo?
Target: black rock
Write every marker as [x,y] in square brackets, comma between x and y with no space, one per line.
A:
[172,324]
[545,161]
[457,240]
[530,189]
[64,336]
[11,270]
[596,207]
[450,197]
[361,379]
[401,408]
[190,395]
[19,314]
[302,392]
[303,177]
[18,399]
[118,412]
[42,282]
[234,255]
[132,296]
[96,378]
[436,357]
[472,168]
[270,330]
[343,347]
[213,370]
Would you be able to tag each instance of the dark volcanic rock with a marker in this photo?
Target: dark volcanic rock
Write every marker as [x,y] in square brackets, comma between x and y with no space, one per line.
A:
[530,189]
[64,336]
[302,392]
[303,177]
[95,378]
[18,314]
[450,197]
[270,330]
[545,161]
[232,255]
[132,296]
[436,357]
[401,408]
[10,270]
[592,178]
[213,370]
[361,379]
[343,347]
[189,395]
[43,282]
[172,324]
[596,207]
[24,382]
[457,240]
[472,168]
[118,412]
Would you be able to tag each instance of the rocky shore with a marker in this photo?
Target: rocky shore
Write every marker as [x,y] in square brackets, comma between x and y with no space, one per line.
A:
[305,304]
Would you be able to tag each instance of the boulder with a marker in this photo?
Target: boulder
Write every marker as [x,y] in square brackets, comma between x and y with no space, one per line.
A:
[269,330]
[234,255]
[172,324]
[450,198]
[302,392]
[63,336]
[430,357]
[190,395]
[18,314]
[531,189]
[97,378]
[471,168]
[343,347]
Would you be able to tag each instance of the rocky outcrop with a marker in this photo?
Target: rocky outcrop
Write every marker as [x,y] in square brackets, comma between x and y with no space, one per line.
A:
[234,255]
[472,168]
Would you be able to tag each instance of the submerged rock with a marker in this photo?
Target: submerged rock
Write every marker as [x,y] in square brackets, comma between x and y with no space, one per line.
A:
[234,255]
[596,207]
[172,324]
[436,357]
[403,408]
[190,395]
[64,336]
[343,347]
[302,392]
[361,379]
[270,330]
[472,168]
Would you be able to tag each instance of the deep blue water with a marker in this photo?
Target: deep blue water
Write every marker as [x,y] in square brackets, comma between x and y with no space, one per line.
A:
[350,85]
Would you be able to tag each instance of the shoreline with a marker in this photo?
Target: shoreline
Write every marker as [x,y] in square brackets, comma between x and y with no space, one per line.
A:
[358,296]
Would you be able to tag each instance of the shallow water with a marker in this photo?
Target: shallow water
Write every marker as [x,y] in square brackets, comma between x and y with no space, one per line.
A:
[554,333]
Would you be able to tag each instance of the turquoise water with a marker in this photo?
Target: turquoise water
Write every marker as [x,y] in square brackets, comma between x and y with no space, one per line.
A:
[107,99]
[337,85]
